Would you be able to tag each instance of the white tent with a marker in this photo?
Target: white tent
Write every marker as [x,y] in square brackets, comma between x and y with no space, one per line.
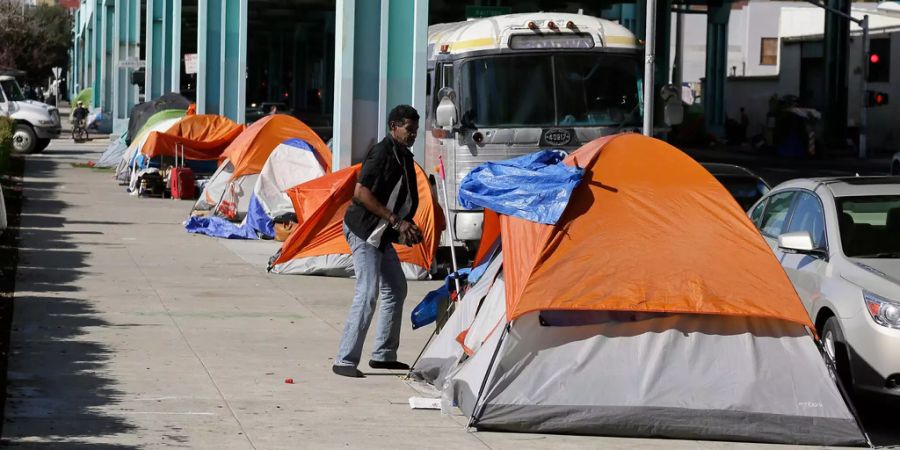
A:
[126,168]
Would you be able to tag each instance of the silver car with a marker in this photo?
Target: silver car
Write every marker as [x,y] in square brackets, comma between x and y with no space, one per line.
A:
[838,239]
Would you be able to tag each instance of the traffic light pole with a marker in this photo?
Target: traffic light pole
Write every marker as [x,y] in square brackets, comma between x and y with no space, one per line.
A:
[864,109]
[864,106]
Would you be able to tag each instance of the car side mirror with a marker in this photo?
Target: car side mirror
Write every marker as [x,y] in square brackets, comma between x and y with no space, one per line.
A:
[799,242]
[445,115]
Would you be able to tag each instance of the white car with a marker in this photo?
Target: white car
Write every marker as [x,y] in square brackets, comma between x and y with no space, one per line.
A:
[838,240]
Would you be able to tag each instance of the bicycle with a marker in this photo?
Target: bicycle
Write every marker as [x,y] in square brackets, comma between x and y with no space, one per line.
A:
[79,131]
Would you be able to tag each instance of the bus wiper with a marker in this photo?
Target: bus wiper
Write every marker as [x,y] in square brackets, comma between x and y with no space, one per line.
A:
[880,255]
[627,118]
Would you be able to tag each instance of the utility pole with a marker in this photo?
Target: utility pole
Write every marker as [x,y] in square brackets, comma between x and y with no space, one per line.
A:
[649,66]
[864,49]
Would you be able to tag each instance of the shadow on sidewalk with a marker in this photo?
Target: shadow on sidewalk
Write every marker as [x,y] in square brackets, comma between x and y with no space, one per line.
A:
[58,393]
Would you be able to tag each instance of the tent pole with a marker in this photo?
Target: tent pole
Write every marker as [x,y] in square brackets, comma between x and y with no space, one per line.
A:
[832,367]
[475,410]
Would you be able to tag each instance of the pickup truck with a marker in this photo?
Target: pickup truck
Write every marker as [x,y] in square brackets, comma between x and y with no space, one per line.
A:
[36,123]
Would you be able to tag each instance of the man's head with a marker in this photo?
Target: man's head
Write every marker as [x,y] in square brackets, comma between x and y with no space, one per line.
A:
[403,124]
[80,103]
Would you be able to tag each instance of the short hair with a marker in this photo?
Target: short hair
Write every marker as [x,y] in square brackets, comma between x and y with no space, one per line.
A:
[401,113]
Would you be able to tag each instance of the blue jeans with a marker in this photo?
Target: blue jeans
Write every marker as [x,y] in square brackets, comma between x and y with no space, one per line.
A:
[377,272]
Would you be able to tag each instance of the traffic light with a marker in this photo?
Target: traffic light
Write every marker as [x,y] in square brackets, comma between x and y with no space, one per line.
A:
[876,98]
[879,60]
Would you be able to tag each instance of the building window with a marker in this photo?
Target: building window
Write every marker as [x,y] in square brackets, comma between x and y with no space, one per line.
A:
[768,51]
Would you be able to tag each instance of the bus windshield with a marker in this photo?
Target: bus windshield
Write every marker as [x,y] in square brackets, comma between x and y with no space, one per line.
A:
[568,89]
[12,91]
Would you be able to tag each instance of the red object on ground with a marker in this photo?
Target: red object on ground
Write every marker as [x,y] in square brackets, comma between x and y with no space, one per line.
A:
[181,183]
[288,381]
[90,164]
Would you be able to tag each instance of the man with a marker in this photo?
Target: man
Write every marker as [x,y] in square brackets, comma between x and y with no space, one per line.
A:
[80,114]
[384,202]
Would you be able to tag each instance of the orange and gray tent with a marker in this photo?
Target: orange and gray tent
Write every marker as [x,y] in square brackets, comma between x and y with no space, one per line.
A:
[318,246]
[203,137]
[653,307]
[268,146]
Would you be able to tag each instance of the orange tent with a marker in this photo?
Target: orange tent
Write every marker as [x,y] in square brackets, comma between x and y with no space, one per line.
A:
[320,205]
[249,151]
[204,137]
[644,237]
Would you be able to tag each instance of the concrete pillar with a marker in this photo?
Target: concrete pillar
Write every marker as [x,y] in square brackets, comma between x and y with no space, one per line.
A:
[380,61]
[716,68]
[107,69]
[97,52]
[222,54]
[163,47]
[126,39]
[837,38]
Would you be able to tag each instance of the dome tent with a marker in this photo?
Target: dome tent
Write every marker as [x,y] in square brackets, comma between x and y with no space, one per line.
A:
[653,267]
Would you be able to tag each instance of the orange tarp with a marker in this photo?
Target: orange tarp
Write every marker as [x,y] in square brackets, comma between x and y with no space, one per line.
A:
[249,151]
[320,205]
[204,137]
[648,229]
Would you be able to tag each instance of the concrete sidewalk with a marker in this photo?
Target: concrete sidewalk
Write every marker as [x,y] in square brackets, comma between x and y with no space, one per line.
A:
[131,333]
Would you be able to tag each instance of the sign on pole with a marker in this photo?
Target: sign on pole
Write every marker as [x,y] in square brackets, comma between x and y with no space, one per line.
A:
[57,71]
[477,12]
[132,63]
[190,63]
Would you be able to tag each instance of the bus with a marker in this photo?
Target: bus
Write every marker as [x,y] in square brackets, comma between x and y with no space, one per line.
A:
[505,86]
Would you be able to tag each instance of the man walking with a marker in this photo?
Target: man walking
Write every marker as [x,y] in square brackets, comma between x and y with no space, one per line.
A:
[384,203]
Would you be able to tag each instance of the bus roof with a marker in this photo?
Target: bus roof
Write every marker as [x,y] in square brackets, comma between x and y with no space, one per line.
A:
[493,33]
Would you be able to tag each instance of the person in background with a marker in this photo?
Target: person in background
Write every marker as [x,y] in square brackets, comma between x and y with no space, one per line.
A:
[80,114]
[384,203]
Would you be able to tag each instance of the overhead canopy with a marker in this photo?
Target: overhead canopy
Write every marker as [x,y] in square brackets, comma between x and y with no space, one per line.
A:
[204,137]
[249,151]
[143,111]
[662,237]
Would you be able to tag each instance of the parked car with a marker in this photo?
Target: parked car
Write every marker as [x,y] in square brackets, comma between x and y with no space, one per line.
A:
[257,111]
[745,186]
[838,240]
[36,123]
[895,164]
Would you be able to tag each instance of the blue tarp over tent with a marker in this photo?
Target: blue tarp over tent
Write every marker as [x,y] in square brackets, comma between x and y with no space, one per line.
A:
[535,187]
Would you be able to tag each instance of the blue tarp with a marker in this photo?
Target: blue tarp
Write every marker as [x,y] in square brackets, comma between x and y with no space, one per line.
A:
[427,310]
[535,187]
[257,224]
[218,227]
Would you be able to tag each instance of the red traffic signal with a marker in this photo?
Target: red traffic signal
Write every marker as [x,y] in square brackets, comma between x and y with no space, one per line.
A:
[875,98]
[874,58]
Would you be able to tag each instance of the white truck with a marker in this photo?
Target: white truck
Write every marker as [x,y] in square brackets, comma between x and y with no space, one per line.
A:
[36,123]
[509,85]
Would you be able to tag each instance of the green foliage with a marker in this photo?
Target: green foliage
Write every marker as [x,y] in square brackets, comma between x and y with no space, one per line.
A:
[6,135]
[35,38]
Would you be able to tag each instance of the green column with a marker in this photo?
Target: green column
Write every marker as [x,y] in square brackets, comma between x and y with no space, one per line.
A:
[837,60]
[105,93]
[716,68]
[126,38]
[153,49]
[222,49]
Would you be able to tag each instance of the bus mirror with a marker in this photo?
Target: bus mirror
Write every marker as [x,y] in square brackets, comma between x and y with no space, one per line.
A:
[445,114]
[673,110]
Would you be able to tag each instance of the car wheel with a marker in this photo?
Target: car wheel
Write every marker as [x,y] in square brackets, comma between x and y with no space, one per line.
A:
[41,145]
[24,139]
[836,348]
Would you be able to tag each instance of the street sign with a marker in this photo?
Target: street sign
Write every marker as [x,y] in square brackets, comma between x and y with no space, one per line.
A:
[57,71]
[132,63]
[190,63]
[477,12]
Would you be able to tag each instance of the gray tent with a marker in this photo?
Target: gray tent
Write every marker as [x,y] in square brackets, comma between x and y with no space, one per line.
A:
[636,374]
[113,154]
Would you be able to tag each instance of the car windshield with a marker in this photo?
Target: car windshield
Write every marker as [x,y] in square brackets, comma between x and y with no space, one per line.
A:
[569,89]
[870,226]
[12,91]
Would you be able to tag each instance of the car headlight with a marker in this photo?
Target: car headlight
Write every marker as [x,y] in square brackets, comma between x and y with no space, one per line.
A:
[883,311]
[45,122]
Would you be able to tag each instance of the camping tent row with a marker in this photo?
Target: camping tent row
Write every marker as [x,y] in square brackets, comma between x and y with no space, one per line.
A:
[141,115]
[279,166]
[604,324]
